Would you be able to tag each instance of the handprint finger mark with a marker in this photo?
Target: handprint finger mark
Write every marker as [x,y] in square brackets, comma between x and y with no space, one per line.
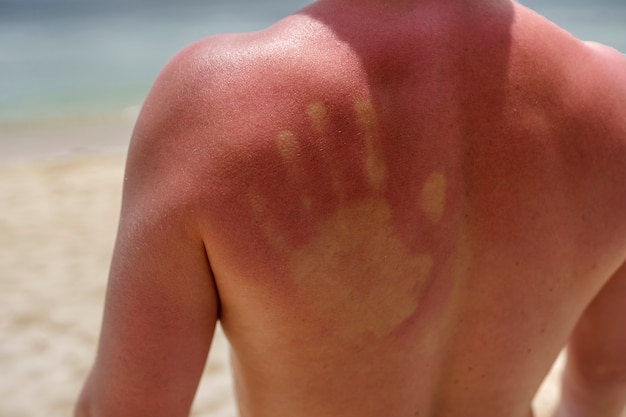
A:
[433,196]
[375,164]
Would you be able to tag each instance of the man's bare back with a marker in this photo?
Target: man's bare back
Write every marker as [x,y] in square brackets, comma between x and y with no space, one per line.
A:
[394,208]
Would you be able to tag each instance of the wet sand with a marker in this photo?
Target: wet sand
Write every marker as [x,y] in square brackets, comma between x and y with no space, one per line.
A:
[58,216]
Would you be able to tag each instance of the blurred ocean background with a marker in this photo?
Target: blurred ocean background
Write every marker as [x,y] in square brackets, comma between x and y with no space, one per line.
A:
[68,60]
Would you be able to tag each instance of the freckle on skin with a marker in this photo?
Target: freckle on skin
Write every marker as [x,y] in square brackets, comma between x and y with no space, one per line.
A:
[433,196]
[375,163]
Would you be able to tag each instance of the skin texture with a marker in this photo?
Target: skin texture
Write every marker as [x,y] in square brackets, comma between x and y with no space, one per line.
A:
[394,209]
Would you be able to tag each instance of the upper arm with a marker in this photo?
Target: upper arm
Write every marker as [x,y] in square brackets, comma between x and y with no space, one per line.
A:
[594,380]
[598,344]
[161,303]
[611,67]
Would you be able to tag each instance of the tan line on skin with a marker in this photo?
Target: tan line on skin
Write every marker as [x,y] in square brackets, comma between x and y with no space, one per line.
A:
[375,162]
[433,196]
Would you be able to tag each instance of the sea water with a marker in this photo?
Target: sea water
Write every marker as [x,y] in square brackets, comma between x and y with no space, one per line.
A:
[72,59]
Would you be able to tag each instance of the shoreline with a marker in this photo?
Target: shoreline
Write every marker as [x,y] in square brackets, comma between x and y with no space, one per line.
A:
[66,139]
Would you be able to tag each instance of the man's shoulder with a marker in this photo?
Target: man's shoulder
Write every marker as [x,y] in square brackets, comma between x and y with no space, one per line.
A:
[610,72]
[572,65]
[586,81]
[233,93]
[610,55]
[601,79]
[594,142]
[295,52]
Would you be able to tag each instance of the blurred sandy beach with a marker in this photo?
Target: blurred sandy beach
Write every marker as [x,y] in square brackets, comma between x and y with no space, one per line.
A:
[58,217]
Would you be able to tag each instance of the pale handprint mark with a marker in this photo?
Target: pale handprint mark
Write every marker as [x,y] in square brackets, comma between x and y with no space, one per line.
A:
[354,259]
